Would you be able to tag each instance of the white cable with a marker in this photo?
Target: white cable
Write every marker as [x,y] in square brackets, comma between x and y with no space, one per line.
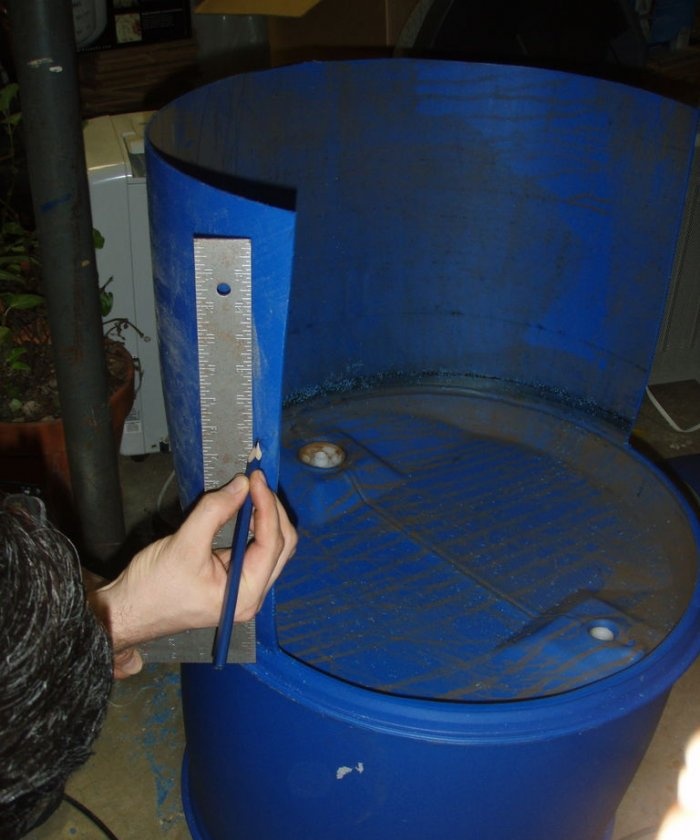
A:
[667,417]
[164,490]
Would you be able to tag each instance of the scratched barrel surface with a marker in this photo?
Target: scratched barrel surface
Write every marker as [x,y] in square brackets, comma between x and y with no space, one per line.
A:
[493,592]
[475,549]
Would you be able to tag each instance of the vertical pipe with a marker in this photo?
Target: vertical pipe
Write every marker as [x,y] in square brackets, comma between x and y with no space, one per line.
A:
[45,58]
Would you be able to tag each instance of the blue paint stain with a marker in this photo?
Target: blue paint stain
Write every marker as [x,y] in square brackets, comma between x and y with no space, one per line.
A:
[48,206]
[161,734]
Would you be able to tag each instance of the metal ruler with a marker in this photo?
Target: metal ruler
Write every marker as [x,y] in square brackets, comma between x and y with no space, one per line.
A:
[225,335]
[223,293]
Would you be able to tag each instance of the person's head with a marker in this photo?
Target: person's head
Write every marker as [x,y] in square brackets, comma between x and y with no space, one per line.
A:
[55,669]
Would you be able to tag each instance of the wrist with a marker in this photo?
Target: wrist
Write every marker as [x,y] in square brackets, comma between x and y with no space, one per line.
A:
[115,612]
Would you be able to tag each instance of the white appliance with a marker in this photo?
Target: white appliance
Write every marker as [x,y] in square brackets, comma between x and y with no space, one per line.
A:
[114,153]
[678,350]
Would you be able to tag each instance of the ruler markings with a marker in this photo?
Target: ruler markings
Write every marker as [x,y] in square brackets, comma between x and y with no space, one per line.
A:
[224,337]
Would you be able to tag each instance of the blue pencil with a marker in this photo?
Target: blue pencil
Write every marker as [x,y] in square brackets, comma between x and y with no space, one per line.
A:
[240,542]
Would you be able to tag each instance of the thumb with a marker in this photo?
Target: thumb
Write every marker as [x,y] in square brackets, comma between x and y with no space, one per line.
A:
[215,509]
[127,663]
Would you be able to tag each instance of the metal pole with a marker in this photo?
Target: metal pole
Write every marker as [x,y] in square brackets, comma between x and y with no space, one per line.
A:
[45,58]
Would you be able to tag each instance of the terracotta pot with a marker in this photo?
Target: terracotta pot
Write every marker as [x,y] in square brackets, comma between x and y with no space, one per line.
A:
[33,455]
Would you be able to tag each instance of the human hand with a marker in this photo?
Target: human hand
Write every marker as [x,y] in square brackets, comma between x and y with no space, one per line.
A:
[683,820]
[178,582]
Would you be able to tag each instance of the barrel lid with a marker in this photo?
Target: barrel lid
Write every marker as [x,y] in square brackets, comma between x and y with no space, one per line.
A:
[473,548]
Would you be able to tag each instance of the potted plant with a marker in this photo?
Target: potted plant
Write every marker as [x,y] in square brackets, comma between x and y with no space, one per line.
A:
[32,442]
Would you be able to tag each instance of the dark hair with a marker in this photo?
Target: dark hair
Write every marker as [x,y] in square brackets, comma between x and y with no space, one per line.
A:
[55,670]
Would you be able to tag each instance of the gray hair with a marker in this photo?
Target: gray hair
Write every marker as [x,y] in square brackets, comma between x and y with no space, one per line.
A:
[55,669]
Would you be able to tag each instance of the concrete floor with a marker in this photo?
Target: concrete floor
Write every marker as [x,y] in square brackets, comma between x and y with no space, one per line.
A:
[132,782]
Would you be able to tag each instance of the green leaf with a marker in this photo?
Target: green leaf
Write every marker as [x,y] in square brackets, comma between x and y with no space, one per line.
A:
[5,333]
[106,302]
[23,300]
[7,95]
[14,359]
[13,228]
[98,240]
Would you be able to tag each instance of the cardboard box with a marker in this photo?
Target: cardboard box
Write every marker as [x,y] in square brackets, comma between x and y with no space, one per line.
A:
[303,30]
[281,8]
[105,24]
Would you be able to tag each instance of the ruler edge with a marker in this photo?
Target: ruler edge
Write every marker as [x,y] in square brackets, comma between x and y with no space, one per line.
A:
[194,646]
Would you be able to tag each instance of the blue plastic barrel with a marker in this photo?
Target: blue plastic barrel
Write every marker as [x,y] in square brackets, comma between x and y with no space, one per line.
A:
[493,592]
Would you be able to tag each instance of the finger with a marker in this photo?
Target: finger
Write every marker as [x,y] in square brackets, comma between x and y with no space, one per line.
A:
[289,537]
[273,521]
[289,531]
[214,510]
[127,663]
[265,522]
[262,498]
[263,553]
[266,556]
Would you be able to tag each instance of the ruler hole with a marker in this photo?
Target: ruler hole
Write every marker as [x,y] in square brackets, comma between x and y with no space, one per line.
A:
[223,289]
